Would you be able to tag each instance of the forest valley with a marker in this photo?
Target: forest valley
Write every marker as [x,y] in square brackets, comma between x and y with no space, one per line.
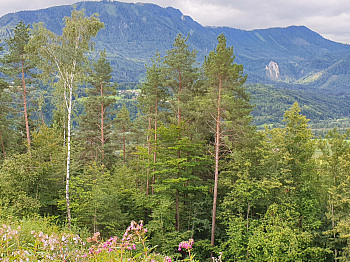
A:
[190,166]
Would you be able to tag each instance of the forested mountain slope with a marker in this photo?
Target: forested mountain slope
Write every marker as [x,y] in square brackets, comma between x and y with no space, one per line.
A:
[285,58]
[133,33]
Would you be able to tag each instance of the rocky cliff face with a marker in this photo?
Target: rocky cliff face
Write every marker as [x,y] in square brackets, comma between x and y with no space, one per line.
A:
[272,71]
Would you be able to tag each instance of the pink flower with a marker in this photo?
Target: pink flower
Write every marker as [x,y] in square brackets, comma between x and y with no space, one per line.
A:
[186,244]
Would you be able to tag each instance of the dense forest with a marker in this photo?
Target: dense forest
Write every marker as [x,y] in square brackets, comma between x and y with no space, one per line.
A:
[202,182]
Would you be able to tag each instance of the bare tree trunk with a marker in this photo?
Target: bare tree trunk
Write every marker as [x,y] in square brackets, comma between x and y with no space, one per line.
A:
[69,109]
[124,145]
[102,124]
[2,144]
[95,220]
[177,215]
[25,106]
[248,211]
[149,151]
[217,157]
[333,225]
[155,138]
[179,100]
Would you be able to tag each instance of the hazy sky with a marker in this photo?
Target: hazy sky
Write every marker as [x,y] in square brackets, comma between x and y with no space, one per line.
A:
[330,18]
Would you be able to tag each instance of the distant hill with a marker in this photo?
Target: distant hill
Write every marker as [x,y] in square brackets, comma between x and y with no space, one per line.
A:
[292,58]
[133,33]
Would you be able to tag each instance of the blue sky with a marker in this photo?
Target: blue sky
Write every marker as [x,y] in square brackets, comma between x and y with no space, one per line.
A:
[330,18]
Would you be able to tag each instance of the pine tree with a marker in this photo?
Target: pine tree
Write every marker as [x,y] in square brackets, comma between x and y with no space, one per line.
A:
[153,99]
[4,111]
[95,124]
[181,75]
[18,67]
[225,82]
[123,126]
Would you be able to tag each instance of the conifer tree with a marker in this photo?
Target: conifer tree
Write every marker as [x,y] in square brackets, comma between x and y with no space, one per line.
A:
[152,101]
[181,75]
[224,79]
[17,66]
[4,111]
[95,124]
[123,125]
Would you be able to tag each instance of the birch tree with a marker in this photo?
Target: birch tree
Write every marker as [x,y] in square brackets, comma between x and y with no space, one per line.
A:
[62,59]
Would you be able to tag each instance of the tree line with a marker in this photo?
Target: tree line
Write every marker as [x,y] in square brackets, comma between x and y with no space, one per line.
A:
[190,164]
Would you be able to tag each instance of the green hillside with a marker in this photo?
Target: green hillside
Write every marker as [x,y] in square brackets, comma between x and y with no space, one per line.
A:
[325,110]
[311,69]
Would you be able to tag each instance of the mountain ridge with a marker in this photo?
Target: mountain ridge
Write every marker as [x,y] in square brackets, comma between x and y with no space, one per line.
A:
[308,64]
[133,33]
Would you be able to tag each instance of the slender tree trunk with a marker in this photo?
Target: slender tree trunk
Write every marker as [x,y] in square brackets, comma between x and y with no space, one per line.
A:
[25,106]
[2,144]
[124,145]
[217,156]
[155,138]
[179,100]
[102,124]
[177,208]
[248,211]
[333,226]
[95,220]
[149,151]
[69,109]
[177,215]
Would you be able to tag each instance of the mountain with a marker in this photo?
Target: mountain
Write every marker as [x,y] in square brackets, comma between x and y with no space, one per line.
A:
[133,33]
[291,58]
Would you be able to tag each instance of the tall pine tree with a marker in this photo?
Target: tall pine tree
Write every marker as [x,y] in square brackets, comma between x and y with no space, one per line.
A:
[225,80]
[18,67]
[96,123]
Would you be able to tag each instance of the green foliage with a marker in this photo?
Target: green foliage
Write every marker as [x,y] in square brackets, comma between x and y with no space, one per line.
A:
[334,163]
[32,183]
[277,199]
[96,124]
